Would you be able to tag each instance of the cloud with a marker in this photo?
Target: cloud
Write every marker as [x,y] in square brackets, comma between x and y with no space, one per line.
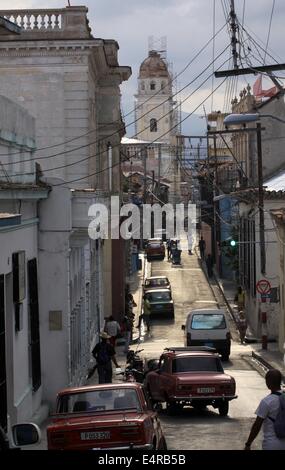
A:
[188,24]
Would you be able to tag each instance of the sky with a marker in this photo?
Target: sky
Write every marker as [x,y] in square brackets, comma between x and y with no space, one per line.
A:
[188,25]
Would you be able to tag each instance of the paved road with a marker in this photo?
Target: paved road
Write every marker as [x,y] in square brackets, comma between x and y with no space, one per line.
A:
[204,430]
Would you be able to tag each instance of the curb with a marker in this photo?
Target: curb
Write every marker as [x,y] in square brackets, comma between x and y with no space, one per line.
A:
[225,299]
[265,363]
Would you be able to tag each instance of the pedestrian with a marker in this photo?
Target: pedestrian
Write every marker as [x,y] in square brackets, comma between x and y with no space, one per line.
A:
[267,412]
[240,298]
[104,354]
[202,247]
[190,242]
[242,326]
[168,247]
[146,312]
[112,328]
[209,264]
[127,327]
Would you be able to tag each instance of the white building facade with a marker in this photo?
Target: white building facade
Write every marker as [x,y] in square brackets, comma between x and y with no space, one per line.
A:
[69,82]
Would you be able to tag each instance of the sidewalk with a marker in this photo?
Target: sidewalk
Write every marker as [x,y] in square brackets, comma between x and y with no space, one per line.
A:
[270,358]
[135,282]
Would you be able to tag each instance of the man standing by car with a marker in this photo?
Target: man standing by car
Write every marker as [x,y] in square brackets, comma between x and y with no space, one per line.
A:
[104,354]
[266,415]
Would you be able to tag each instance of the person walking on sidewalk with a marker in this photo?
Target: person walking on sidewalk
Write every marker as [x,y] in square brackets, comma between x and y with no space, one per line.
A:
[202,247]
[146,312]
[242,326]
[104,354]
[267,412]
[209,264]
[112,328]
[127,328]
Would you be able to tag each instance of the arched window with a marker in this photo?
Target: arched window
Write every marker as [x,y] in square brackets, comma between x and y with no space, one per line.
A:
[152,86]
[153,125]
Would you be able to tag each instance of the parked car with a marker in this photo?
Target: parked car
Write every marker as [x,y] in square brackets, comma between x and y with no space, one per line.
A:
[208,327]
[109,416]
[155,249]
[191,376]
[161,302]
[157,282]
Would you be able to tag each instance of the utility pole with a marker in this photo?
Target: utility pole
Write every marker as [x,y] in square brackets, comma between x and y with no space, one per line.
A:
[260,199]
[234,28]
[249,70]
[159,169]
[144,172]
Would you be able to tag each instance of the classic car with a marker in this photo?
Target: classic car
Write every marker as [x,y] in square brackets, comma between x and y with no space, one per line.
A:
[155,249]
[161,302]
[191,376]
[109,416]
[157,282]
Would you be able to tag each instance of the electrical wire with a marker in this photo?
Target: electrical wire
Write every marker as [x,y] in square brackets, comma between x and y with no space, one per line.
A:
[162,117]
[134,109]
[269,31]
[93,143]
[150,143]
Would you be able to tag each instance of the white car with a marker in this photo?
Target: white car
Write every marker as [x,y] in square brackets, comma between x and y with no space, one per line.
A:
[208,327]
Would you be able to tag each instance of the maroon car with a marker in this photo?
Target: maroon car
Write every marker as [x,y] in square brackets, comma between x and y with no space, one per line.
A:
[191,376]
[155,249]
[109,416]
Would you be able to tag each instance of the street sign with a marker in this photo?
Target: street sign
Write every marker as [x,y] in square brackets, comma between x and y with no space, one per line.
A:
[263,286]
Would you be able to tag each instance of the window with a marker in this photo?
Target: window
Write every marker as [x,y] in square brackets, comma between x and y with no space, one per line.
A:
[142,86]
[196,364]
[152,86]
[35,349]
[99,400]
[153,125]
[215,321]
[159,296]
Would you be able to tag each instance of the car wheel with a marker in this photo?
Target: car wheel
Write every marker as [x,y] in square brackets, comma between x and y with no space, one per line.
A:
[173,408]
[225,356]
[199,406]
[162,444]
[224,408]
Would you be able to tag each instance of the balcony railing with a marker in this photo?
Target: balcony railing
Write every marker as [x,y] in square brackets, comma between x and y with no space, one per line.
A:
[62,21]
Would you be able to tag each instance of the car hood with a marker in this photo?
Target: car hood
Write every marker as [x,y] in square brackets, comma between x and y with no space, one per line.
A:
[186,378]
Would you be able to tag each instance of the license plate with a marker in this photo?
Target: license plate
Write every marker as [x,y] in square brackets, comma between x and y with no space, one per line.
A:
[206,390]
[90,436]
[210,345]
[159,307]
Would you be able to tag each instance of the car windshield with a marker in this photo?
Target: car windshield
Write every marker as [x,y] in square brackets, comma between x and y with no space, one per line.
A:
[158,296]
[99,400]
[154,245]
[157,282]
[214,321]
[196,364]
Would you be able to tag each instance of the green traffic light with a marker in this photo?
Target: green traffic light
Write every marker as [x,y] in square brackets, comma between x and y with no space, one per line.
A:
[233,243]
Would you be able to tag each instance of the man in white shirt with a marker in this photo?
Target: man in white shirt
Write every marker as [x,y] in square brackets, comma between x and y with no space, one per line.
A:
[266,414]
[113,328]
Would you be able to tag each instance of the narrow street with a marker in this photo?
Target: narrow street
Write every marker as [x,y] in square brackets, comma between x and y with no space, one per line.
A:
[204,430]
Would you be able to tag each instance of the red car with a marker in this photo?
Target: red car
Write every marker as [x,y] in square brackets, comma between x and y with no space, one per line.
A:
[109,416]
[191,376]
[155,249]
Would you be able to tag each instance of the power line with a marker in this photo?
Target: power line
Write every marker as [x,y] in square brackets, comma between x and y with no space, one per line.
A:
[130,112]
[150,143]
[269,31]
[163,116]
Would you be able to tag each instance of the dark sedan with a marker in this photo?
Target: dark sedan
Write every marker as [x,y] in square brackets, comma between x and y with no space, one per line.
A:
[161,302]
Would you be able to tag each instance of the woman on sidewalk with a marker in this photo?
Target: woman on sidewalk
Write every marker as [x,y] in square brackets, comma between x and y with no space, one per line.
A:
[242,326]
